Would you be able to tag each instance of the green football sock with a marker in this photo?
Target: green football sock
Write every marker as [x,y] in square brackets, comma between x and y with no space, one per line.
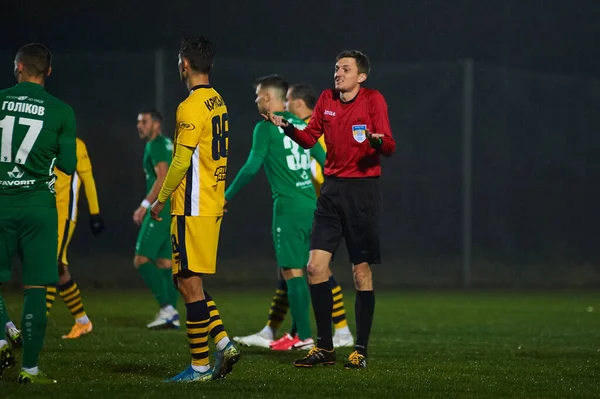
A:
[153,279]
[34,325]
[172,292]
[299,299]
[3,317]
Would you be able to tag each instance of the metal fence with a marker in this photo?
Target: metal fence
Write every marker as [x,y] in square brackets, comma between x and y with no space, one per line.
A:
[494,182]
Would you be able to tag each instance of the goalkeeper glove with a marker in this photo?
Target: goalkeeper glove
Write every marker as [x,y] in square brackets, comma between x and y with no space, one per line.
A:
[97,224]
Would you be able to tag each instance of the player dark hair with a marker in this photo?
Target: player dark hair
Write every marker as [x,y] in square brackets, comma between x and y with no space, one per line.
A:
[273,82]
[362,61]
[36,59]
[200,52]
[305,92]
[154,114]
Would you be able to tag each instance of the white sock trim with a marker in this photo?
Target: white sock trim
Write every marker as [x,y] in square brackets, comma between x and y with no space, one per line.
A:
[343,330]
[222,343]
[33,371]
[169,308]
[201,369]
[267,332]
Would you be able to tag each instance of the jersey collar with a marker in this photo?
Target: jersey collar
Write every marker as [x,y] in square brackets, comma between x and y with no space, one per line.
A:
[31,85]
[349,101]
[199,87]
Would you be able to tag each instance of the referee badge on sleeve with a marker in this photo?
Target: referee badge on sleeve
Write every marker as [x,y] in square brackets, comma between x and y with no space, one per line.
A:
[359,132]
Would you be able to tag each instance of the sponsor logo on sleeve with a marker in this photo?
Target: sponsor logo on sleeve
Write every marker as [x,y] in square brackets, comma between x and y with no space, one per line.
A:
[186,126]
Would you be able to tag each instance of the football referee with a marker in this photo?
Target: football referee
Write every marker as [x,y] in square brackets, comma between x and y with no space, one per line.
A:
[355,122]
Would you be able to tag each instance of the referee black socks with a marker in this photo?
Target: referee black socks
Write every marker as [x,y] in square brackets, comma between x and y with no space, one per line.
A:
[322,302]
[364,308]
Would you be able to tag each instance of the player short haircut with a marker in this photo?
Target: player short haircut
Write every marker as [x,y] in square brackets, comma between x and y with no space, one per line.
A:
[305,92]
[154,114]
[200,53]
[275,82]
[36,59]
[362,61]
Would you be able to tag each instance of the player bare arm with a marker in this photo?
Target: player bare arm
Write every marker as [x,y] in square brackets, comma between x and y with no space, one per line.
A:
[161,170]
[177,170]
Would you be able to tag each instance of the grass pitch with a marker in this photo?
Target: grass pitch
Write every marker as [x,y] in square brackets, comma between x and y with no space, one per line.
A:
[423,344]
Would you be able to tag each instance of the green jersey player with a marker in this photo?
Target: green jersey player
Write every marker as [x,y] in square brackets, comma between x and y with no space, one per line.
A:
[153,248]
[287,167]
[37,134]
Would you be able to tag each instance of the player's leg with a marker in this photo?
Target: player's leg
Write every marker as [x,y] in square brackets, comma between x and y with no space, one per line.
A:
[12,333]
[70,293]
[363,206]
[6,357]
[197,320]
[342,336]
[291,233]
[326,235]
[165,264]
[216,329]
[227,353]
[279,307]
[152,238]
[192,259]
[64,226]
[8,246]
[165,268]
[37,249]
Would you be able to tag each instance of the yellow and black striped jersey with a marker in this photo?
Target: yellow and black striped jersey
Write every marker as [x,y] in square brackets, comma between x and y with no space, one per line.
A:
[67,187]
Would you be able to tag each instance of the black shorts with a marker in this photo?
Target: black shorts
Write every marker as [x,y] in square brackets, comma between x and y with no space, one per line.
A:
[349,209]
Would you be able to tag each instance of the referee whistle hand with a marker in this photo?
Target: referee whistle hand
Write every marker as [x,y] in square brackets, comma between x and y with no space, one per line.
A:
[375,139]
[96,224]
[156,208]
[277,120]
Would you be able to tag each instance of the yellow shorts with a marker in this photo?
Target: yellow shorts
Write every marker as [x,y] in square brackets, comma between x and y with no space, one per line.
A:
[195,240]
[64,226]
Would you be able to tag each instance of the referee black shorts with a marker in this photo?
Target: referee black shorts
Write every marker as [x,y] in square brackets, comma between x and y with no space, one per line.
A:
[349,209]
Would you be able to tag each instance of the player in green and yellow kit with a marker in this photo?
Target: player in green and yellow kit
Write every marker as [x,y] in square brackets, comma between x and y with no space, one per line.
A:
[153,248]
[301,99]
[37,134]
[287,167]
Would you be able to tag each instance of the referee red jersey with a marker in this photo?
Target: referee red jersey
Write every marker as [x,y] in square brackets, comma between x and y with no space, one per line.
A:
[344,124]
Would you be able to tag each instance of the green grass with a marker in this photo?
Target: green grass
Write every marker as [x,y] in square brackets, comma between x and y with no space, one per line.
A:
[423,344]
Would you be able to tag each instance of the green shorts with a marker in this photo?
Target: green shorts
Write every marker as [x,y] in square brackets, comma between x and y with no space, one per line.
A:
[32,232]
[154,238]
[291,237]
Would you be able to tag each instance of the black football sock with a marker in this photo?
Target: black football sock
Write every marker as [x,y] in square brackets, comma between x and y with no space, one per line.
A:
[322,303]
[364,307]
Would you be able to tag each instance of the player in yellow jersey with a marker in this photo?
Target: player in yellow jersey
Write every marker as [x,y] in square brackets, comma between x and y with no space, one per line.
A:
[67,197]
[195,183]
